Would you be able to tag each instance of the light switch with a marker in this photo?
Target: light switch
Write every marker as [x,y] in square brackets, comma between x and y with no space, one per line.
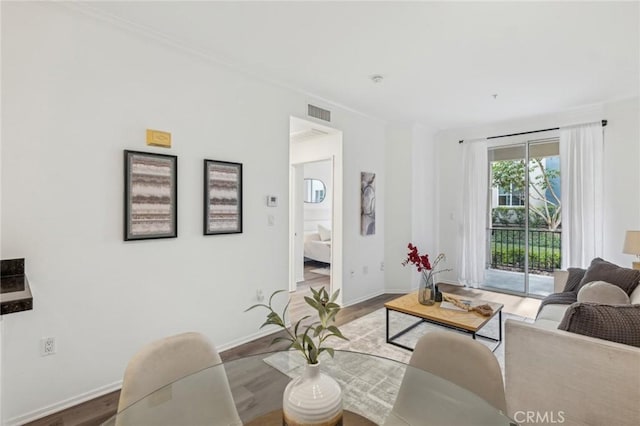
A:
[271,220]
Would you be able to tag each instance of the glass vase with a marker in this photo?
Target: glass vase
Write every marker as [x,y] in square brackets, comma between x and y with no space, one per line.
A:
[427,289]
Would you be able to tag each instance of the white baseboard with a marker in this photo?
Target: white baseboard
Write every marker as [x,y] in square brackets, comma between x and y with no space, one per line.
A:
[456,283]
[241,341]
[63,405]
[363,298]
[399,290]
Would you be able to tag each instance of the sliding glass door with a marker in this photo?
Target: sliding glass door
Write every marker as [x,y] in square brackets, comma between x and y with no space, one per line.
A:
[523,236]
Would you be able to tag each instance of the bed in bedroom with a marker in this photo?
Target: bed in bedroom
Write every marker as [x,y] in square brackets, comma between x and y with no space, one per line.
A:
[317,249]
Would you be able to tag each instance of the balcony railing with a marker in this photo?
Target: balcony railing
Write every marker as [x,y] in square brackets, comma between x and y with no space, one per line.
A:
[508,249]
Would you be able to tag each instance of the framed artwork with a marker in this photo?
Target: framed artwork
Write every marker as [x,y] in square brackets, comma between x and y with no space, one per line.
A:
[222,197]
[368,203]
[150,196]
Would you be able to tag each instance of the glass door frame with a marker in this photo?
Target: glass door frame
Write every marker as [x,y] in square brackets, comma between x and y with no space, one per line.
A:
[515,141]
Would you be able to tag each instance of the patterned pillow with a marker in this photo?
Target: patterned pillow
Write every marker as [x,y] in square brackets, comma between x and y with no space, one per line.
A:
[616,323]
[601,270]
[574,279]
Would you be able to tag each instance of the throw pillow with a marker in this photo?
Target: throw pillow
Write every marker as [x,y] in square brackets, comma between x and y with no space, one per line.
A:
[614,323]
[604,293]
[573,281]
[325,233]
[601,270]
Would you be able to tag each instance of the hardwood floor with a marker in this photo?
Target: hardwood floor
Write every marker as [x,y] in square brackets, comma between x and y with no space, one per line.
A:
[96,411]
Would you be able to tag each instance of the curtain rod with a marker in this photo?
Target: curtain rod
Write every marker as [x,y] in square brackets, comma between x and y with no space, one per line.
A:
[604,123]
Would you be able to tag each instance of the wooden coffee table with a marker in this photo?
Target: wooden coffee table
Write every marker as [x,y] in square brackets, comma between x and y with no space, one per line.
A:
[466,322]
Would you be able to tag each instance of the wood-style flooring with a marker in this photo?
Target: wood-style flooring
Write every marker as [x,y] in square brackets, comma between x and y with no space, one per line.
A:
[97,410]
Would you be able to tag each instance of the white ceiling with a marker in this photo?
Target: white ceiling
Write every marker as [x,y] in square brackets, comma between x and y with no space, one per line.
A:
[441,61]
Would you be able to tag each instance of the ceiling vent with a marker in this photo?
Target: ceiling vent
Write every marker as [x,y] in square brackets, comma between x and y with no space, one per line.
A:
[319,113]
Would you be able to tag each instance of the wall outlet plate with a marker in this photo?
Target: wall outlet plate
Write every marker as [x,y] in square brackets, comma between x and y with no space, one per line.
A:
[47,346]
[272,201]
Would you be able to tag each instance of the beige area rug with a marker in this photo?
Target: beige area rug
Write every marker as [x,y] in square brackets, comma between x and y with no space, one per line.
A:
[367,334]
[321,271]
[370,384]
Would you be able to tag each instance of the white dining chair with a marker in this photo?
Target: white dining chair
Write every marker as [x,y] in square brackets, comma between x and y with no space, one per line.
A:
[454,361]
[165,361]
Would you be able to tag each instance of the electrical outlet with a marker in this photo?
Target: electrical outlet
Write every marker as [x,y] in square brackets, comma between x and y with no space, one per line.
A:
[352,273]
[259,295]
[47,346]
[382,266]
[365,269]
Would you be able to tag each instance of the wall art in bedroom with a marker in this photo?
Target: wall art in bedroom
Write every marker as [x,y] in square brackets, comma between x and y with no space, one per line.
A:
[150,196]
[222,197]
[368,203]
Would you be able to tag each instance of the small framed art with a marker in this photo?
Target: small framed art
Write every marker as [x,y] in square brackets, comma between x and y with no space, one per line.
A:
[222,197]
[150,196]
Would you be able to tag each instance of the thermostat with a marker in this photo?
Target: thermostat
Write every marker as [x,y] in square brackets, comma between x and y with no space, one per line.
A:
[272,201]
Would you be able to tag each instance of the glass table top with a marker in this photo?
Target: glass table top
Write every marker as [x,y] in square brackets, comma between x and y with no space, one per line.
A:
[375,390]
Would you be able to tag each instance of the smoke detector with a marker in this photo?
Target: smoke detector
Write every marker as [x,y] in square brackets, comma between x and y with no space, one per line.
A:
[377,78]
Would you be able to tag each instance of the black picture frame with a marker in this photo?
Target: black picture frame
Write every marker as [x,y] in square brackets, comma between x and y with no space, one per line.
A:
[222,210]
[150,195]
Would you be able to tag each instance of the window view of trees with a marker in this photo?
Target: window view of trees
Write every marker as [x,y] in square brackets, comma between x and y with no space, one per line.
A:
[508,214]
[544,195]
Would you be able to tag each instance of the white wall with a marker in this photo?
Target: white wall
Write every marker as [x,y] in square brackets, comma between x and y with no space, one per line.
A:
[411,214]
[319,213]
[622,156]
[76,92]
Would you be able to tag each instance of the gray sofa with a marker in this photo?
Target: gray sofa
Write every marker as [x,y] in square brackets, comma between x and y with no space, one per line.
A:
[553,376]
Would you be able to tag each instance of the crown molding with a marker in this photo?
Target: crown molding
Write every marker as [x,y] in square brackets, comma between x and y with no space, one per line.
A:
[85,8]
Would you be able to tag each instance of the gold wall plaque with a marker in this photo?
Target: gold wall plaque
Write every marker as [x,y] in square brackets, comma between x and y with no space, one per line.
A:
[158,138]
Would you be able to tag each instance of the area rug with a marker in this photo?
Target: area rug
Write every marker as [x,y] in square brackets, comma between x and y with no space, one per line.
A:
[370,384]
[367,334]
[321,271]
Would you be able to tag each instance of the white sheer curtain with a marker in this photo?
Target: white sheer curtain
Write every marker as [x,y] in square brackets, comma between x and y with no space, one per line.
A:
[471,262]
[581,177]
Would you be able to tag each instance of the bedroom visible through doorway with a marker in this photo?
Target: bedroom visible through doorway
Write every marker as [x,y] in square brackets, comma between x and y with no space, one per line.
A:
[315,209]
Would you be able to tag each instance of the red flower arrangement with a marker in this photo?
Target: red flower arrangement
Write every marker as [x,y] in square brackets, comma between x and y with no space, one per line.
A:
[422,262]
[423,265]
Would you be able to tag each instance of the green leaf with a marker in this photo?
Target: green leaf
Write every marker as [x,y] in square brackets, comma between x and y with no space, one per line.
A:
[314,304]
[330,351]
[255,306]
[274,293]
[295,329]
[336,332]
[279,339]
[334,296]
[284,311]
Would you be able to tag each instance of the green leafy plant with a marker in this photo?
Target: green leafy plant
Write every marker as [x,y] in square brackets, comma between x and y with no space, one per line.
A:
[308,339]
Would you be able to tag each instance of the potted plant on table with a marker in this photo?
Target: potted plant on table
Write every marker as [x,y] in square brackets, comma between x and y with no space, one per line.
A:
[312,393]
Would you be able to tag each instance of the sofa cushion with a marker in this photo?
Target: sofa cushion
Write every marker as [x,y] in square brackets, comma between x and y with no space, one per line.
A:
[635,296]
[601,270]
[602,292]
[553,313]
[574,279]
[566,298]
[616,323]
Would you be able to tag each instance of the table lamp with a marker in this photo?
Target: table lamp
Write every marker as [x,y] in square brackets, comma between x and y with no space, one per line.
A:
[632,246]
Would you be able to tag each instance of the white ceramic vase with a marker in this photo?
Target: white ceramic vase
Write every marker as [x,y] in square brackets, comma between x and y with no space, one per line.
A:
[312,399]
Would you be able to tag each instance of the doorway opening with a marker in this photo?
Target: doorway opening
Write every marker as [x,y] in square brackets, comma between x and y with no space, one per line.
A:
[315,211]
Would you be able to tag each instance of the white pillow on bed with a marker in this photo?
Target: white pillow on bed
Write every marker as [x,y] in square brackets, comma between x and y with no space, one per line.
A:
[325,234]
